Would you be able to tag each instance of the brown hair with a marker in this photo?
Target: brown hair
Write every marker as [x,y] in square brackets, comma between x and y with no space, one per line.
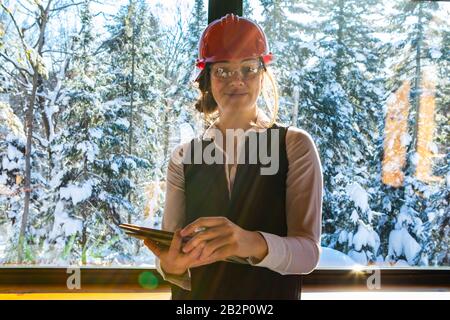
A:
[205,102]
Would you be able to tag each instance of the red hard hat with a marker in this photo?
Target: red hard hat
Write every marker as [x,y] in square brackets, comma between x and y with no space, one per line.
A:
[232,37]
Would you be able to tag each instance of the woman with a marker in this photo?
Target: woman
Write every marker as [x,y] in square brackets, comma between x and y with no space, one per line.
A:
[233,209]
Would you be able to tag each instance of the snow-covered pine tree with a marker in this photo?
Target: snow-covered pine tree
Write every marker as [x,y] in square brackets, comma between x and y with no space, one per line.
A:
[437,226]
[12,168]
[183,92]
[136,107]
[417,201]
[197,23]
[279,30]
[340,89]
[12,172]
[77,183]
[92,184]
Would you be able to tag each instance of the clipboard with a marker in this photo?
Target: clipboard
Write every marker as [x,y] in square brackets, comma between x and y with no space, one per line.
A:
[163,238]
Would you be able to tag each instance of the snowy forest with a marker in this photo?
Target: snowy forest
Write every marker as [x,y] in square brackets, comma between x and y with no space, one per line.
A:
[101,92]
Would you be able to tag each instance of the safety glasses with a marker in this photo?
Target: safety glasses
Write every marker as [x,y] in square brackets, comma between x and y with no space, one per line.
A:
[247,71]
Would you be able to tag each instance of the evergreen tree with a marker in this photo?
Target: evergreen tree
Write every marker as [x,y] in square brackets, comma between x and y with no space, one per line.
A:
[12,172]
[339,90]
[279,29]
[414,213]
[185,93]
[78,181]
[134,97]
[93,183]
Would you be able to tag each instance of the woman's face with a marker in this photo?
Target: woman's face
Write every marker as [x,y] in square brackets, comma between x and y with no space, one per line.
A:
[236,85]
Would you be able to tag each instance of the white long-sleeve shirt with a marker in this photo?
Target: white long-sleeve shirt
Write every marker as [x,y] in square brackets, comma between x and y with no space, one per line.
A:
[298,252]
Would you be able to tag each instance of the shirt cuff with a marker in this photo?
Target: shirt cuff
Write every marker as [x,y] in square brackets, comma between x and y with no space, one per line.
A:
[276,252]
[183,281]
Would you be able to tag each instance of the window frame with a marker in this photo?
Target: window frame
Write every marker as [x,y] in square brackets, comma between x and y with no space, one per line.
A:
[115,279]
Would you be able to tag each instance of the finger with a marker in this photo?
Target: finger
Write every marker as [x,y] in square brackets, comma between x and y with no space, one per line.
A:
[199,263]
[153,247]
[222,253]
[175,245]
[195,254]
[214,245]
[207,222]
[207,235]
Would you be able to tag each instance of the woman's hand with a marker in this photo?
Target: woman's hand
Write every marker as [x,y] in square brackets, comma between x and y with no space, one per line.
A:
[222,239]
[173,260]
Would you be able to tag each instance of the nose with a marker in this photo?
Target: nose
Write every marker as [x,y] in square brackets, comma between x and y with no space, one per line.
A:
[237,78]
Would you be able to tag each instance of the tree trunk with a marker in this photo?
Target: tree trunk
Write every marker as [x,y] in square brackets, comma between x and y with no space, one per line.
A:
[46,121]
[29,124]
[166,133]
[340,43]
[130,135]
[42,21]
[84,244]
[414,123]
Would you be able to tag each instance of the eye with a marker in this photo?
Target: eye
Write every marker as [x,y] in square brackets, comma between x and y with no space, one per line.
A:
[222,72]
[250,70]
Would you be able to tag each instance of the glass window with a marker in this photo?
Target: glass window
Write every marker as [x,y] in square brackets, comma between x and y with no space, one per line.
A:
[113,96]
